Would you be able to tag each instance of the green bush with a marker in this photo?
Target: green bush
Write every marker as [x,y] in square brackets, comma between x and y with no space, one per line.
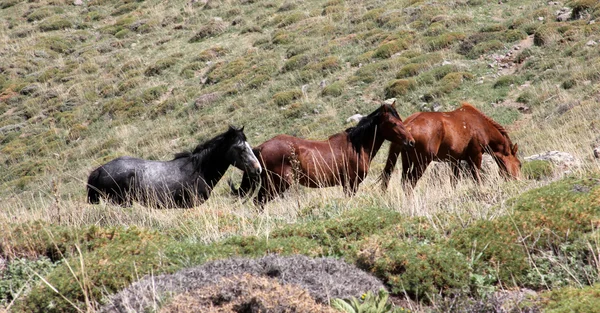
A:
[443,41]
[335,89]
[537,169]
[296,62]
[286,97]
[485,47]
[399,87]
[543,222]
[571,299]
[20,274]
[222,71]
[39,14]
[132,253]
[213,28]
[160,65]
[419,270]
[544,35]
[54,23]
[387,49]
[410,70]
[506,80]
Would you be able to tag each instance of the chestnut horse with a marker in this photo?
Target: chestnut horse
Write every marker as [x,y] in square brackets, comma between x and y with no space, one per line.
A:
[463,134]
[343,159]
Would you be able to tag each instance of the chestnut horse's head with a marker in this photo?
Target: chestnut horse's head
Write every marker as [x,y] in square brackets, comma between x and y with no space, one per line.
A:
[392,127]
[510,166]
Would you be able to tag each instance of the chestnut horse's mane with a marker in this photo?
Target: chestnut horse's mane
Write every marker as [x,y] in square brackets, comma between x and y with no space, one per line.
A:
[499,127]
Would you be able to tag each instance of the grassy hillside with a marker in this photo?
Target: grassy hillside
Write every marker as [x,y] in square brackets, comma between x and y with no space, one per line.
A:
[82,84]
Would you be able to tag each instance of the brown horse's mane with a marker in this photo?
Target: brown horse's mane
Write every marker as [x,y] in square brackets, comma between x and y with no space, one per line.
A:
[499,127]
[366,126]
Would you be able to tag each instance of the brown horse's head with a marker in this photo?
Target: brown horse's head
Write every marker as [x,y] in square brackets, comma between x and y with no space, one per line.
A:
[510,166]
[392,127]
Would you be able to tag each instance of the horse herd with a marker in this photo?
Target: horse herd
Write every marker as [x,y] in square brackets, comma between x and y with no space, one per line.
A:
[343,159]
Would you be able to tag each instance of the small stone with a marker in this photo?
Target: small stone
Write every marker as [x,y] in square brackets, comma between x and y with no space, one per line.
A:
[446,62]
[591,43]
[517,47]
[540,18]
[78,2]
[597,152]
[354,118]
[592,22]
[389,101]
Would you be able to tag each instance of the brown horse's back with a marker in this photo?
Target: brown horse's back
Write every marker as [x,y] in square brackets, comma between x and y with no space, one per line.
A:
[448,135]
[460,135]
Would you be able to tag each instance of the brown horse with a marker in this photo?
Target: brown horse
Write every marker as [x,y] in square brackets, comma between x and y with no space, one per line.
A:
[463,134]
[343,159]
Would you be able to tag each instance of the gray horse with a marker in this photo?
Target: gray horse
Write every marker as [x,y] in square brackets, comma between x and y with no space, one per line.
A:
[186,180]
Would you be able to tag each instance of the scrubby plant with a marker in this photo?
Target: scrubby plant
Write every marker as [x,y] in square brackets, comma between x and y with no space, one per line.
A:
[505,81]
[443,41]
[399,87]
[410,70]
[212,28]
[284,98]
[335,89]
[20,274]
[54,23]
[368,303]
[537,169]
[159,66]
[387,49]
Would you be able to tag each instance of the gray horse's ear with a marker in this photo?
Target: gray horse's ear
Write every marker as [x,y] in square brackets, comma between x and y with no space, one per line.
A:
[242,129]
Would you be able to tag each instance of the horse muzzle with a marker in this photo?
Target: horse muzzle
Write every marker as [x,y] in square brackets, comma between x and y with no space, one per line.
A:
[256,169]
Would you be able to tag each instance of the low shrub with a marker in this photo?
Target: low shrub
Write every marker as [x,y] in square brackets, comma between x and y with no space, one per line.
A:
[159,66]
[399,87]
[537,169]
[335,89]
[213,28]
[410,70]
[506,80]
[442,41]
[284,98]
[55,23]
[225,70]
[390,48]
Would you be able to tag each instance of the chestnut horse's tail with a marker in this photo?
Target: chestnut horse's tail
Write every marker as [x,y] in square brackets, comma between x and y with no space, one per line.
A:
[93,195]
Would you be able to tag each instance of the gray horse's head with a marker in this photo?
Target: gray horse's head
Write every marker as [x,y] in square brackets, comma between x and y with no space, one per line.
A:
[240,153]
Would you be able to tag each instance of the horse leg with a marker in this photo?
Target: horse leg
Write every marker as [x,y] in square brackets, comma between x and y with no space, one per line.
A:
[455,172]
[390,164]
[413,167]
[475,166]
[273,184]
